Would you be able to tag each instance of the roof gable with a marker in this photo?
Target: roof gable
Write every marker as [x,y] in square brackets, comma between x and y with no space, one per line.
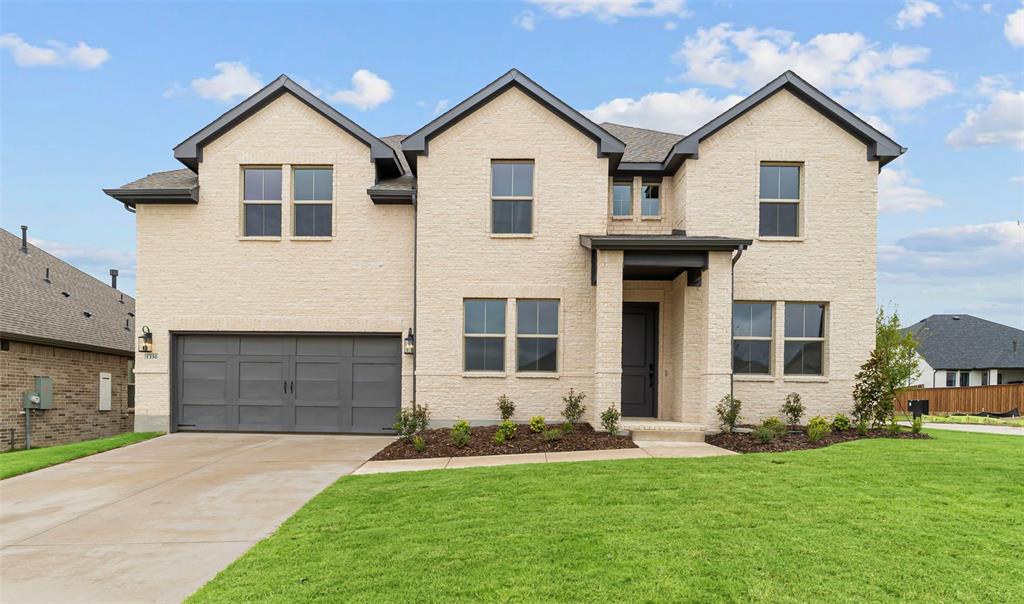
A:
[417,143]
[880,147]
[190,151]
[967,342]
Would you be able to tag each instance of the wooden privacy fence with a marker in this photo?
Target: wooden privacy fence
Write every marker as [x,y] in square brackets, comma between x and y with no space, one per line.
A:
[973,399]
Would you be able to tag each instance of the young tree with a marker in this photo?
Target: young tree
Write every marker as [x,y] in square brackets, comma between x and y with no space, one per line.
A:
[892,365]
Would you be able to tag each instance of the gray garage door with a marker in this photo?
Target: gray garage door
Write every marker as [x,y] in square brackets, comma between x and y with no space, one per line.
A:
[272,383]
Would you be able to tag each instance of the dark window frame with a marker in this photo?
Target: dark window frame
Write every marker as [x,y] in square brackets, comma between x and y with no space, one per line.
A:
[779,202]
[739,339]
[316,202]
[965,379]
[951,378]
[645,188]
[533,337]
[803,339]
[622,182]
[516,204]
[261,200]
[485,337]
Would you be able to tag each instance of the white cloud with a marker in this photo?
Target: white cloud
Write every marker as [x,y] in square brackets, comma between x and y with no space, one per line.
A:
[54,54]
[610,11]
[915,12]
[440,107]
[993,248]
[1013,28]
[880,124]
[987,8]
[1000,122]
[89,257]
[899,192]
[1017,179]
[848,65]
[680,112]
[670,26]
[233,80]
[368,91]
[526,19]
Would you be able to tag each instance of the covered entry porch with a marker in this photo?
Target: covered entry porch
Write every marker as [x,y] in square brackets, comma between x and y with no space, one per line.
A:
[663,321]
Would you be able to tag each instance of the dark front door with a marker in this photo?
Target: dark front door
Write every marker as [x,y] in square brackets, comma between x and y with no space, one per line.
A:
[639,359]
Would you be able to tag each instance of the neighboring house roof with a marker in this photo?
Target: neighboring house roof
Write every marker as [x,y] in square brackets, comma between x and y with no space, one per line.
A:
[189,151]
[642,144]
[36,310]
[967,342]
[173,186]
[417,143]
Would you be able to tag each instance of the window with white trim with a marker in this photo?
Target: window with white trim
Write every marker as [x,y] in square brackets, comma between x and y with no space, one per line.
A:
[483,335]
[261,202]
[537,335]
[752,338]
[779,195]
[804,338]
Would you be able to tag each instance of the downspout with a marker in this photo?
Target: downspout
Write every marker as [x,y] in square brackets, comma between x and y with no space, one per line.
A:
[415,280]
[732,324]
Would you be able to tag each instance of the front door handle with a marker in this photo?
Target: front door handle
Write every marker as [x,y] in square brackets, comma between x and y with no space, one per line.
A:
[293,387]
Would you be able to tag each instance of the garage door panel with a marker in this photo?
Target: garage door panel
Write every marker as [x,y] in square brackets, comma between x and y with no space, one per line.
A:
[334,346]
[218,345]
[317,381]
[373,419]
[265,345]
[319,419]
[204,381]
[261,417]
[262,380]
[209,417]
[375,384]
[381,347]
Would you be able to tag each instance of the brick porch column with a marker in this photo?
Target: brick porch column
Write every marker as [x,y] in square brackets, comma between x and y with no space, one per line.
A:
[717,280]
[608,341]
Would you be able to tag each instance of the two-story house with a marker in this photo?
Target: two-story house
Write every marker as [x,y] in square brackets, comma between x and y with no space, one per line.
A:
[301,274]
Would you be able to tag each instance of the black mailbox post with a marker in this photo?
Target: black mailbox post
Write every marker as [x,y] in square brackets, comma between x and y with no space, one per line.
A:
[918,407]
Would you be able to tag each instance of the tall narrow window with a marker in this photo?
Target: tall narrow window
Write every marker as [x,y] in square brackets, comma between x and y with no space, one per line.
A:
[260,186]
[537,335]
[984,377]
[950,379]
[779,196]
[622,198]
[512,197]
[965,379]
[752,337]
[650,199]
[312,187]
[484,335]
[805,338]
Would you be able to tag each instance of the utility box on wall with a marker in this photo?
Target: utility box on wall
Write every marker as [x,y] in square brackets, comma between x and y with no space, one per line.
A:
[104,391]
[42,396]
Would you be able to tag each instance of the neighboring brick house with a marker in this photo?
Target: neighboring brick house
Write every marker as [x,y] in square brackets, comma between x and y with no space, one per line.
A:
[517,248]
[961,350]
[59,322]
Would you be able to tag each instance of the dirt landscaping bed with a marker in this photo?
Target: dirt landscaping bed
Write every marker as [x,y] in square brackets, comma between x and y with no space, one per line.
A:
[439,443]
[746,443]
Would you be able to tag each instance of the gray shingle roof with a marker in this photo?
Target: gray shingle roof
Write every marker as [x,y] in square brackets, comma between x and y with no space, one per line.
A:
[405,182]
[643,145]
[966,342]
[173,179]
[35,310]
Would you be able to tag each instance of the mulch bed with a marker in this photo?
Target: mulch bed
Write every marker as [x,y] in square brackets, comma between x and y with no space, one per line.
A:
[439,443]
[746,443]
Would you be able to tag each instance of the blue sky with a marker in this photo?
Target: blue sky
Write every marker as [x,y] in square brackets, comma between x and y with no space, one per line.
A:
[94,95]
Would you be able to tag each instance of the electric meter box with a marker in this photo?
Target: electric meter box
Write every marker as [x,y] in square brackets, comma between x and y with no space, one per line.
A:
[41,397]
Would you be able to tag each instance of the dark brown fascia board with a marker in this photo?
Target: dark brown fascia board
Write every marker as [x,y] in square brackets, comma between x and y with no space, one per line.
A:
[131,197]
[880,147]
[392,197]
[417,143]
[662,243]
[17,337]
[190,150]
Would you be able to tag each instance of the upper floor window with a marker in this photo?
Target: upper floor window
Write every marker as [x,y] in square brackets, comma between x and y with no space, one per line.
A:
[484,335]
[805,338]
[752,337]
[650,199]
[512,197]
[259,186]
[311,187]
[537,335]
[622,197]
[779,196]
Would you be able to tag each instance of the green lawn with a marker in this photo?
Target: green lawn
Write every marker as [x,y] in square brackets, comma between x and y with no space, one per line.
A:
[873,520]
[14,463]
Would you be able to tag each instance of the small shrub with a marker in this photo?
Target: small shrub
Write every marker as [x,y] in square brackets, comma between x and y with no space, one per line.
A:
[499,438]
[764,435]
[775,425]
[506,407]
[507,429]
[537,423]
[728,411]
[566,427]
[793,409]
[840,422]
[817,428]
[460,433]
[553,434]
[574,408]
[610,420]
[892,427]
[418,443]
[917,425]
[862,426]
[412,421]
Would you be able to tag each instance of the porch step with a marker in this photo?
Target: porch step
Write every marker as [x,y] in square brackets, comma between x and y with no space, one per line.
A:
[659,430]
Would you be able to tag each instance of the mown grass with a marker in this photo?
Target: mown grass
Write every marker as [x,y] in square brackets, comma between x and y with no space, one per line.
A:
[14,463]
[871,520]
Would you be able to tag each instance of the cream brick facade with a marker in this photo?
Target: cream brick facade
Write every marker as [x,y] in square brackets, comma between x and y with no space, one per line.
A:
[196,272]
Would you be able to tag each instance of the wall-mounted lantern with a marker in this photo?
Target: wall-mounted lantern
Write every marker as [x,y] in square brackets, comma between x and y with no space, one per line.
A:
[146,340]
[409,343]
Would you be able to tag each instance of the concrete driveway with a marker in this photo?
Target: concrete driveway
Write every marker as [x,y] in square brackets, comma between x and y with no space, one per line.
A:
[153,522]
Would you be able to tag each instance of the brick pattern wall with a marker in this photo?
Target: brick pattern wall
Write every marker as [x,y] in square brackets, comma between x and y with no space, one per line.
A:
[75,415]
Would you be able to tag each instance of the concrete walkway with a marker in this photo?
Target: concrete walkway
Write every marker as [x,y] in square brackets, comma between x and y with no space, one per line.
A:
[155,521]
[982,428]
[644,450]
